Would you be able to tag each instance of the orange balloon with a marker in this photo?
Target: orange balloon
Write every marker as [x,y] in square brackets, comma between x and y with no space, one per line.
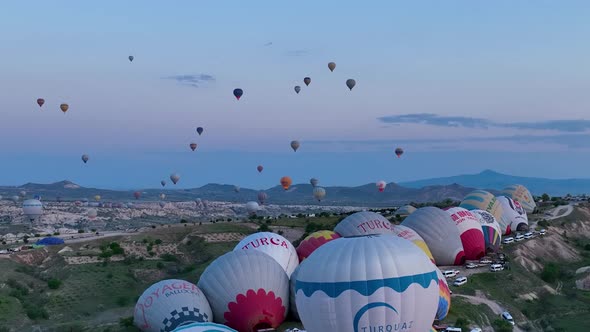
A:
[286,182]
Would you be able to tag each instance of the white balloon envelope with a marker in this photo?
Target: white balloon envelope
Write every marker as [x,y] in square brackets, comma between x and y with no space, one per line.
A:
[367,283]
[363,223]
[275,246]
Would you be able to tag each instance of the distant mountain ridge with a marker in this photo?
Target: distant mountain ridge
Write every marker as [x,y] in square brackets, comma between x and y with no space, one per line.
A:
[494,180]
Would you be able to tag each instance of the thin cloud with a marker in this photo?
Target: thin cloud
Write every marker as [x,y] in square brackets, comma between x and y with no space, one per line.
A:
[297,53]
[192,80]
[268,44]
[566,126]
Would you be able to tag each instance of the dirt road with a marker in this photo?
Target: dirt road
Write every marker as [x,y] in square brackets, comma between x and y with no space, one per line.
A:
[482,299]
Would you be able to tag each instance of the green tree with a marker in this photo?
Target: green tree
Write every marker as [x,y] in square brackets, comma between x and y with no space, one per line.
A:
[263,228]
[501,325]
[462,323]
[545,197]
[53,283]
[551,272]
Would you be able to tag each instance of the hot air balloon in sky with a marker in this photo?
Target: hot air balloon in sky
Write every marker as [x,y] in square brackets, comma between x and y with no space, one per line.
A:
[350,83]
[247,290]
[32,209]
[295,145]
[314,182]
[363,223]
[204,327]
[331,66]
[405,210]
[91,213]
[381,185]
[370,283]
[399,152]
[482,200]
[162,204]
[238,93]
[274,245]
[22,193]
[199,130]
[252,207]
[137,194]
[470,232]
[259,168]
[411,235]
[262,197]
[236,189]
[163,183]
[40,102]
[162,196]
[319,193]
[522,195]
[64,107]
[97,198]
[440,233]
[169,304]
[314,241]
[193,146]
[131,57]
[174,177]
[307,80]
[85,158]
[492,233]
[286,182]
[297,89]
[15,198]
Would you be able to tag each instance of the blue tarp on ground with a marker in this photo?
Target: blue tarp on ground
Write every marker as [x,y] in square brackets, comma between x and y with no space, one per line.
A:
[49,241]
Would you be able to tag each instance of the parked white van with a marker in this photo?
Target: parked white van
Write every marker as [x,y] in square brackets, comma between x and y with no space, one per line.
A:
[519,237]
[460,281]
[450,273]
[496,267]
[528,235]
[508,240]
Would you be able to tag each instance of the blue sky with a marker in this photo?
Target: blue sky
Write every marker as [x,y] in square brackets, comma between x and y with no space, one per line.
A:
[462,86]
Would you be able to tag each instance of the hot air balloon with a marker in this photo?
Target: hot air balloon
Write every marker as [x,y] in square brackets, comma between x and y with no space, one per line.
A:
[247,290]
[259,168]
[91,213]
[162,204]
[32,209]
[262,197]
[169,304]
[204,327]
[363,223]
[252,207]
[198,202]
[514,217]
[85,158]
[199,130]
[137,194]
[405,210]
[274,245]
[369,283]
[444,299]
[163,183]
[162,196]
[22,193]
[297,89]
[15,198]
[292,301]
[307,80]
[314,182]
[314,241]
[286,182]
[238,93]
[237,189]
[482,200]
[40,102]
[1,197]
[174,177]
[522,195]
[439,232]
[331,66]
[399,152]
[131,58]
[411,235]
[350,83]
[193,146]
[319,193]
[295,145]
[381,185]
[97,198]
[470,232]
[492,234]
[64,107]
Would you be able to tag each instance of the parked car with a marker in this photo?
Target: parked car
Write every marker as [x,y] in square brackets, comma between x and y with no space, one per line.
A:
[496,267]
[528,235]
[485,260]
[450,273]
[476,329]
[453,329]
[460,281]
[543,231]
[471,265]
[508,240]
[507,317]
[519,237]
